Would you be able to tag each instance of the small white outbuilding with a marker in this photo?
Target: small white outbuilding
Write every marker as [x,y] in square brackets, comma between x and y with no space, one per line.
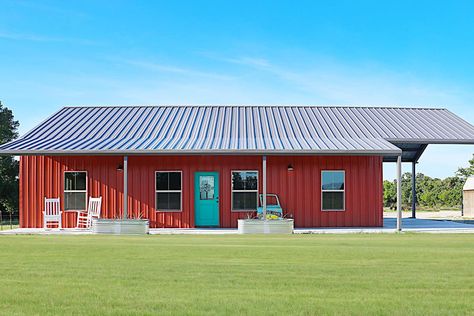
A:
[468,197]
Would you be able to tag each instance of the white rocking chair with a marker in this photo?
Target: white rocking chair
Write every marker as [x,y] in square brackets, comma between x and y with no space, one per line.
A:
[84,218]
[52,213]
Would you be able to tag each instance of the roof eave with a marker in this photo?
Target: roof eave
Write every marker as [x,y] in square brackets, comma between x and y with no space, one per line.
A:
[385,152]
[427,141]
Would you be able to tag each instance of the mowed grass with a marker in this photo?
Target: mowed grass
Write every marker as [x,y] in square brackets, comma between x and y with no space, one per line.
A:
[253,275]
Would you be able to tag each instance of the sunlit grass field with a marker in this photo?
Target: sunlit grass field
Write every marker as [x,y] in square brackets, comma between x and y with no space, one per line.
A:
[187,275]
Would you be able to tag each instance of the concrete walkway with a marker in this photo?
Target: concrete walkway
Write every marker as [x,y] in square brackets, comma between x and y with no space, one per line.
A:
[42,231]
[408,224]
[390,226]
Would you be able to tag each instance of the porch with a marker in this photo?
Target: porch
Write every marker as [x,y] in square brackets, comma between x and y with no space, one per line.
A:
[414,225]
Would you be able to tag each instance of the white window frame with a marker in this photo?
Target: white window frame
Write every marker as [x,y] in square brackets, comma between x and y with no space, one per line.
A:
[246,191]
[75,191]
[170,191]
[343,191]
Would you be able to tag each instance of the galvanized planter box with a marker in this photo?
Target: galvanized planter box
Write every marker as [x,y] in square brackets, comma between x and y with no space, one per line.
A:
[120,226]
[258,226]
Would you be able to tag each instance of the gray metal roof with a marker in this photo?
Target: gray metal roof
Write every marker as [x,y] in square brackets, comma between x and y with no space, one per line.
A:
[242,129]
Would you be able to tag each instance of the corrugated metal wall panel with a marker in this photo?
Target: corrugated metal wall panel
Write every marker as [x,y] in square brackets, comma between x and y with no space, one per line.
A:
[299,190]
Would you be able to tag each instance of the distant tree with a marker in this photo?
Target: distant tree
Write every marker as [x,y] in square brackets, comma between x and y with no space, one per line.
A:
[389,194]
[8,165]
[430,192]
[466,172]
[406,189]
[451,192]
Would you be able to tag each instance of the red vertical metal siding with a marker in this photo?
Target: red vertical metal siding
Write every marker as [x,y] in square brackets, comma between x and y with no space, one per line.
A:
[299,190]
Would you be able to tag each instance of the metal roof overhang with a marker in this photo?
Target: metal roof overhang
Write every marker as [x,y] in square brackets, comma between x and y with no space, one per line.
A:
[384,153]
[231,130]
[412,150]
[92,146]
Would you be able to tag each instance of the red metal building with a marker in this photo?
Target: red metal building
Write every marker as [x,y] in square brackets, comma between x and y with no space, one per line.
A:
[191,166]
[299,190]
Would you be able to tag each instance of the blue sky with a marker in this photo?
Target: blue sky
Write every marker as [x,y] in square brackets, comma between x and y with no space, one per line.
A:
[55,53]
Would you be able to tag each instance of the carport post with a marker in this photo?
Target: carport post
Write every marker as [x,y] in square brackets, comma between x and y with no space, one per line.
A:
[413,189]
[399,193]
[125,187]
[264,187]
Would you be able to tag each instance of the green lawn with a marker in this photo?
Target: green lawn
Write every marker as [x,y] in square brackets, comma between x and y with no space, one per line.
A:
[299,274]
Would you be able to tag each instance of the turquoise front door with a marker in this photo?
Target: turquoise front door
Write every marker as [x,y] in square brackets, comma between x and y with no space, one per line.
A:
[206,199]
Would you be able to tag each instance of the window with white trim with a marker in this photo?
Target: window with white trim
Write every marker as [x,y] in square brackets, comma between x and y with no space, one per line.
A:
[244,190]
[333,190]
[168,191]
[75,190]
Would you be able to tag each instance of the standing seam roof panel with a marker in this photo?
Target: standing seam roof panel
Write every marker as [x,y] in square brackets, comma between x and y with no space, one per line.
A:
[454,128]
[300,129]
[361,120]
[315,132]
[237,128]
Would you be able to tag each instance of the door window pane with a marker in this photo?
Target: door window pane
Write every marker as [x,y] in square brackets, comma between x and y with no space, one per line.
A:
[206,187]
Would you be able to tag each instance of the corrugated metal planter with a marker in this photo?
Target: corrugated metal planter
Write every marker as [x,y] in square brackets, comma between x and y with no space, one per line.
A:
[120,226]
[257,226]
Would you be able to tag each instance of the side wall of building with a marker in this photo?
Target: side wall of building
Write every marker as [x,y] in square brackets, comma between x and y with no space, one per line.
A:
[468,203]
[299,190]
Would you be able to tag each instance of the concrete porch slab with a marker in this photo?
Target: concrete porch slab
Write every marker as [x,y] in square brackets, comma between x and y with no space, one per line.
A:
[42,231]
[193,231]
[408,224]
[390,224]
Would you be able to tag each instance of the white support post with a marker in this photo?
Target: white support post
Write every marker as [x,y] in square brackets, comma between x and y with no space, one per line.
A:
[125,187]
[413,189]
[264,186]
[399,193]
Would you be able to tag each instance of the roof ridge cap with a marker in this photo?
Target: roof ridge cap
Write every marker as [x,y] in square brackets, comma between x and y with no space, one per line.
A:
[256,106]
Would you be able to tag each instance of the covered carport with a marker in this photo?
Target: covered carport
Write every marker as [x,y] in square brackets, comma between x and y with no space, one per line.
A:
[453,131]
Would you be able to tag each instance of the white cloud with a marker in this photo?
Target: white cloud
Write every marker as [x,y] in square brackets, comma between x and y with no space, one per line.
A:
[184,71]
[41,38]
[363,84]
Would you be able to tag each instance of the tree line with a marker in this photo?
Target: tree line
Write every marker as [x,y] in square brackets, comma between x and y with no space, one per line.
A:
[430,192]
[9,166]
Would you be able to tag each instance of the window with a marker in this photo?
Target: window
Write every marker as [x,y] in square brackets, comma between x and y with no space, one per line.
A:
[332,187]
[168,190]
[244,190]
[75,190]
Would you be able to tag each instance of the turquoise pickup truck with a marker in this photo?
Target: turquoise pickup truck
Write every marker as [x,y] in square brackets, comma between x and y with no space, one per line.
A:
[274,210]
